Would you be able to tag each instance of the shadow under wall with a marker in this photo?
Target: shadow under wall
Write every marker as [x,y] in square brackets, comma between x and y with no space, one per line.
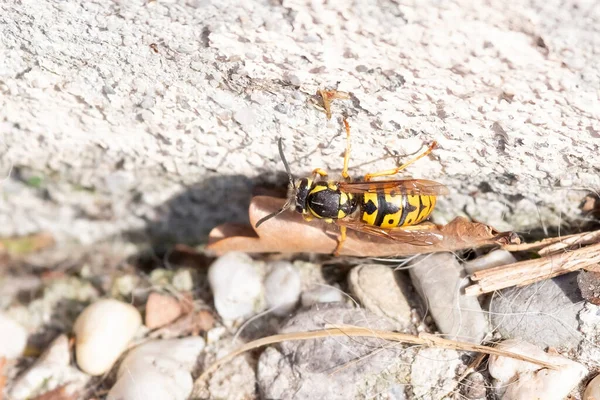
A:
[188,217]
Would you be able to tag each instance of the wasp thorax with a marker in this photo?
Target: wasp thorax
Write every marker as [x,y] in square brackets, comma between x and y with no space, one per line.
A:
[302,189]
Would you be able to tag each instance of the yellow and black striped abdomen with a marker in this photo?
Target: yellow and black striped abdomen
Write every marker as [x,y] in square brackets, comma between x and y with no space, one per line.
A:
[389,210]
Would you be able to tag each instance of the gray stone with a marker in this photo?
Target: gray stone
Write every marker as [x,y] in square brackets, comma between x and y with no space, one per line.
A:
[321,294]
[544,313]
[336,367]
[492,259]
[440,280]
[381,290]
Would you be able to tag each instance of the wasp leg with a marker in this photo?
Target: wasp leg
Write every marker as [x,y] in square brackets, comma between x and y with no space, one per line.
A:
[319,171]
[341,241]
[347,153]
[394,171]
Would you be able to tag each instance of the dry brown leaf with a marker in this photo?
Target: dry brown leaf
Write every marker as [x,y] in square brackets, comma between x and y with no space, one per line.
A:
[289,233]
[161,309]
[328,96]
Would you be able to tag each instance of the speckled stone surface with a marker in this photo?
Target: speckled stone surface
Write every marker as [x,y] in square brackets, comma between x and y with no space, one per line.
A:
[121,115]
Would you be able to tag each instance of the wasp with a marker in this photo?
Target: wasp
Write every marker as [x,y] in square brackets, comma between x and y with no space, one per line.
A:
[385,208]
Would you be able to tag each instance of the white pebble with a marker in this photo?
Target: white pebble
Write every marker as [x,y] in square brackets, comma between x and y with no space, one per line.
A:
[51,370]
[183,280]
[13,337]
[282,288]
[321,294]
[592,391]
[158,370]
[236,285]
[102,332]
[517,379]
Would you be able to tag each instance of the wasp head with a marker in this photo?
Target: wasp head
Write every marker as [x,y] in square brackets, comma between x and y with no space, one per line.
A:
[302,188]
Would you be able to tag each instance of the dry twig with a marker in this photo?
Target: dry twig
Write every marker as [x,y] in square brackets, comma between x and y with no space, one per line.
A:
[530,271]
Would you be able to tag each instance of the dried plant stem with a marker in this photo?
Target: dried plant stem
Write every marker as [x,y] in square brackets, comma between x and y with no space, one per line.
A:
[550,245]
[356,331]
[530,271]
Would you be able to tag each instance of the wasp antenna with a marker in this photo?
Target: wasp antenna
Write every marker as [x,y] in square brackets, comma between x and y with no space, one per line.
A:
[273,214]
[285,163]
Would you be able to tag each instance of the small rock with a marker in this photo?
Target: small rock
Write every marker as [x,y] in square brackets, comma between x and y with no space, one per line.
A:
[589,285]
[158,370]
[544,313]
[13,337]
[102,332]
[50,371]
[517,379]
[321,294]
[330,368]
[183,280]
[592,391]
[440,280]
[282,288]
[245,116]
[474,387]
[433,373]
[492,259]
[380,290]
[236,285]
[161,309]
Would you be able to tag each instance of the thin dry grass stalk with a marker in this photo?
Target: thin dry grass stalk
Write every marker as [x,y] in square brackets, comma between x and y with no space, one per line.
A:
[530,271]
[357,331]
[550,245]
[289,233]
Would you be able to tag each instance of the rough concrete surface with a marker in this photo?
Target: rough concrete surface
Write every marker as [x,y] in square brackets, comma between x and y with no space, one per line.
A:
[121,115]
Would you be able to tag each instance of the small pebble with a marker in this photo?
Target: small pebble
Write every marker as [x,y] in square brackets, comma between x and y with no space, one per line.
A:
[321,294]
[158,370]
[236,285]
[492,259]
[474,387]
[183,280]
[161,309]
[282,288]
[13,337]
[517,379]
[592,391]
[440,281]
[377,288]
[50,371]
[102,332]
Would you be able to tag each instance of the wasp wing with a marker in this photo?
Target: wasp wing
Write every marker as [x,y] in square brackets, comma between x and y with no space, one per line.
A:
[419,235]
[402,186]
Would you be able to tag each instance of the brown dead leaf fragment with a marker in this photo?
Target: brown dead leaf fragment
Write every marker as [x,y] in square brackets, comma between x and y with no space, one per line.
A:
[289,233]
[161,309]
[328,96]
